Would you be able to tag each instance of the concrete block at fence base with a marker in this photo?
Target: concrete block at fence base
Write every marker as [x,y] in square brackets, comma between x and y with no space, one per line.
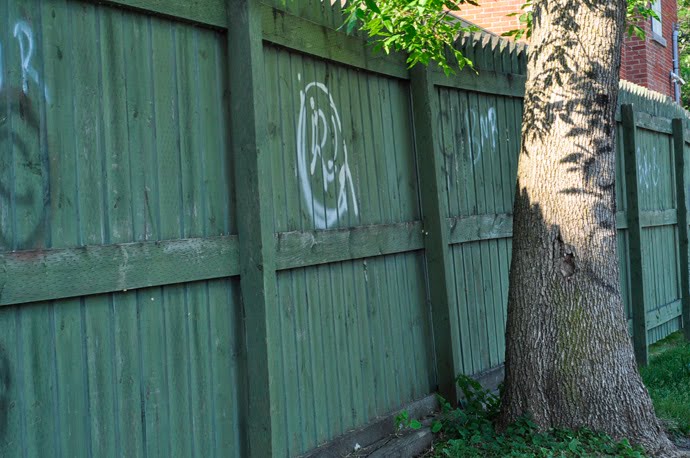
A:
[378,437]
[413,443]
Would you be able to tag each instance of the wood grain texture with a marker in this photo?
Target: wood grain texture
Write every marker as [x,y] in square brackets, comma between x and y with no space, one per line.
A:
[682,184]
[207,12]
[486,81]
[636,257]
[125,180]
[29,276]
[653,123]
[253,187]
[465,229]
[299,34]
[300,249]
[663,314]
[433,196]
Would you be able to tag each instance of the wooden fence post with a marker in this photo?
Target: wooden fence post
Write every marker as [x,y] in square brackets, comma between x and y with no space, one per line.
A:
[639,312]
[253,192]
[682,209]
[435,227]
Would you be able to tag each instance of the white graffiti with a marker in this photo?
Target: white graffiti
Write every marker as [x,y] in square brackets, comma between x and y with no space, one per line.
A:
[648,169]
[25,40]
[488,133]
[321,148]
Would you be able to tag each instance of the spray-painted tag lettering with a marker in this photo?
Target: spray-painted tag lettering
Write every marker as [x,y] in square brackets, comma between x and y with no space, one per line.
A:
[25,40]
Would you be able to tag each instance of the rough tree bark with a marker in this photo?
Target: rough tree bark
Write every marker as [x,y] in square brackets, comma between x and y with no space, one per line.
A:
[569,359]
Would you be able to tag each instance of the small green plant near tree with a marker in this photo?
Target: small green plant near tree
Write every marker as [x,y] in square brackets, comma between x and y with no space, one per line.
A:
[403,421]
[469,431]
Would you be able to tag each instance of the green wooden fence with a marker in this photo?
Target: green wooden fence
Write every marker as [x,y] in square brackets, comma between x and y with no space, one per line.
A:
[229,229]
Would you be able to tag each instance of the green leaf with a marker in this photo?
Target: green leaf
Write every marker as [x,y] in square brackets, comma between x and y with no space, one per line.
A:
[371,4]
[415,424]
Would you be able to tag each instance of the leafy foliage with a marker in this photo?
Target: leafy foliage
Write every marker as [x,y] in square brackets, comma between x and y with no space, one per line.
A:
[684,48]
[403,420]
[638,12]
[469,432]
[426,29]
[525,18]
[421,28]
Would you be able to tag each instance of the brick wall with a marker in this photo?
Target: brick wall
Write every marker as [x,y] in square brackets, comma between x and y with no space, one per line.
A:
[493,14]
[647,63]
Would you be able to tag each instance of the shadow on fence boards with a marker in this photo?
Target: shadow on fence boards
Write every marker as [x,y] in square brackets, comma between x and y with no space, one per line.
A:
[228,229]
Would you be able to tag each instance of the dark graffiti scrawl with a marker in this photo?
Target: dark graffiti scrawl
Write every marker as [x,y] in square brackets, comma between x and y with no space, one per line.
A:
[24,171]
[5,386]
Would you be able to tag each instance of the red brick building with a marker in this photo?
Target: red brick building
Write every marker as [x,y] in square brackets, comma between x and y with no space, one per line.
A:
[647,62]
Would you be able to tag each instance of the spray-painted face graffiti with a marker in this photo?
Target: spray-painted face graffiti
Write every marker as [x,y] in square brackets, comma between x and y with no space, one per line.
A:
[322,160]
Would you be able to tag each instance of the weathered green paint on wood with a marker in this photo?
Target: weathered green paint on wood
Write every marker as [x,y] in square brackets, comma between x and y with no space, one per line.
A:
[436,232]
[480,138]
[363,309]
[636,257]
[253,200]
[301,249]
[207,12]
[114,374]
[480,227]
[297,33]
[653,123]
[663,314]
[488,81]
[117,173]
[682,196]
[100,269]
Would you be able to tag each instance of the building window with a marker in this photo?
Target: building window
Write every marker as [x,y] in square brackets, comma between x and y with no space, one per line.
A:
[656,23]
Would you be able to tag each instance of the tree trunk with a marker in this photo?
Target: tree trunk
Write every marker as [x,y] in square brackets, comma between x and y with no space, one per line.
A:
[569,359]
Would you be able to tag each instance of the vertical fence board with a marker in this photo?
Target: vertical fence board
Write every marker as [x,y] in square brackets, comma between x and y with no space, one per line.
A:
[12,436]
[682,212]
[266,432]
[635,238]
[436,231]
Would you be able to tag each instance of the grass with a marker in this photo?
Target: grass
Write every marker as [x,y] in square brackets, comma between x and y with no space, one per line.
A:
[667,378]
[469,432]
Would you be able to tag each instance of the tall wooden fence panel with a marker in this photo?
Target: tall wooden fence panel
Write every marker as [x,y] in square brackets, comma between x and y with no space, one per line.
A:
[660,244]
[230,229]
[115,177]
[479,138]
[649,216]
[355,337]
